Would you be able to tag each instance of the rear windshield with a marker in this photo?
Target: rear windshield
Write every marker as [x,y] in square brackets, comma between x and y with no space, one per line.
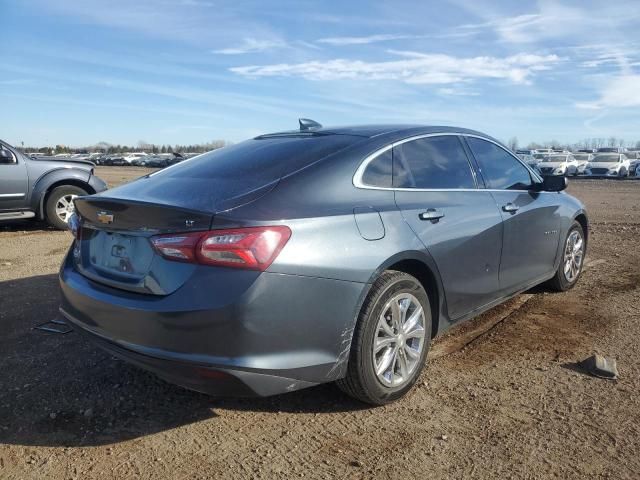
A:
[267,158]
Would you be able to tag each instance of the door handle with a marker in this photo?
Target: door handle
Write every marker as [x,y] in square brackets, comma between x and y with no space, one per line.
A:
[510,207]
[431,214]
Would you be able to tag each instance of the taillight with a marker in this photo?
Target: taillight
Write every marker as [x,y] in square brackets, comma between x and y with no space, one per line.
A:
[75,227]
[252,247]
[73,224]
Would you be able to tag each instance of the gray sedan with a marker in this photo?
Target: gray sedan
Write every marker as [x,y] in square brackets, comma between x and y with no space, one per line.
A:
[315,255]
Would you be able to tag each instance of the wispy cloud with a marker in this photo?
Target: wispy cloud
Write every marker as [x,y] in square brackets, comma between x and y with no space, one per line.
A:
[622,91]
[196,3]
[414,68]
[251,45]
[553,20]
[339,41]
[457,92]
[17,81]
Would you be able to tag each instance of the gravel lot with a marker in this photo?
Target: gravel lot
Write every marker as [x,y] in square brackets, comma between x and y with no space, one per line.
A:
[510,404]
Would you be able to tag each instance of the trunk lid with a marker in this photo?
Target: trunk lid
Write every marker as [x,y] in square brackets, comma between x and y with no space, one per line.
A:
[115,248]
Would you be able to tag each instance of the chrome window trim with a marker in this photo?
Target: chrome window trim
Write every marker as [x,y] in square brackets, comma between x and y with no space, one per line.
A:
[357,177]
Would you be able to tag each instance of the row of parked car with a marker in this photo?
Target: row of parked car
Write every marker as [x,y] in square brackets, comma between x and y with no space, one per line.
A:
[603,162]
[140,159]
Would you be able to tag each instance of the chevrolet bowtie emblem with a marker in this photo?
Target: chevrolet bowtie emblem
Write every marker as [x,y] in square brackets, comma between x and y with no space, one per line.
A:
[104,217]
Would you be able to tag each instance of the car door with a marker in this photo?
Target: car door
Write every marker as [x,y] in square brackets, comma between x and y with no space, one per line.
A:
[531,218]
[13,180]
[458,223]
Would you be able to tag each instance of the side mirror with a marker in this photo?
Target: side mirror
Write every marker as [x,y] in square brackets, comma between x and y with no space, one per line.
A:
[6,156]
[553,183]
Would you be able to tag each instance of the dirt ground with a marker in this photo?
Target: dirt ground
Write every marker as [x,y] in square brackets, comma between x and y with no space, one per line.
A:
[511,404]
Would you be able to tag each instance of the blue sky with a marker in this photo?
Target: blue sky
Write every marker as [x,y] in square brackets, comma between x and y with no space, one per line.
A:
[189,71]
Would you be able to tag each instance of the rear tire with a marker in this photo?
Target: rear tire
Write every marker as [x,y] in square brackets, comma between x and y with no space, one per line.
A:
[59,205]
[390,342]
[572,261]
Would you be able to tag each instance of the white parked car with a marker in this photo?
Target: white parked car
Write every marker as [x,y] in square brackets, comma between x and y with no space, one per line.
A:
[131,157]
[558,164]
[583,160]
[608,165]
[533,160]
[634,163]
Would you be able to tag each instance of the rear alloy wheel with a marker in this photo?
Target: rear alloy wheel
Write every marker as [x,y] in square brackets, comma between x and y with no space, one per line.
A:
[573,254]
[391,340]
[59,206]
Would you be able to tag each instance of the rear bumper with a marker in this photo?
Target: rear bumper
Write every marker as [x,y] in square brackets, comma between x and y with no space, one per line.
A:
[272,334]
[205,378]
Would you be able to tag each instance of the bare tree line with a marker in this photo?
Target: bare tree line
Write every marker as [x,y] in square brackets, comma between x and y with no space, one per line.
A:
[142,146]
[587,143]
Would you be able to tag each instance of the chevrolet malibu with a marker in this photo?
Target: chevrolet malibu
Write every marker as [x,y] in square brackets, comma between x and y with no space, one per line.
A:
[315,255]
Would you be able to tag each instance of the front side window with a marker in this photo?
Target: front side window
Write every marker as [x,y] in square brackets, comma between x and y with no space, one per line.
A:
[438,162]
[501,170]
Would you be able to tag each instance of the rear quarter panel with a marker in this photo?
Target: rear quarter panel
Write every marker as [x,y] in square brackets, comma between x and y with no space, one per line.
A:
[318,205]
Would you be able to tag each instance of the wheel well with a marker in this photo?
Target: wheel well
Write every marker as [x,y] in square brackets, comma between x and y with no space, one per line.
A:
[419,270]
[76,183]
[582,220]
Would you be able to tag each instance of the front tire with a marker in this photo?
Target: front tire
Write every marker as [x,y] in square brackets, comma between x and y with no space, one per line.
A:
[59,205]
[573,254]
[391,340]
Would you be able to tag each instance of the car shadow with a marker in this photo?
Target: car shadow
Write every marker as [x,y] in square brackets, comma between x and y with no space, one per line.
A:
[60,390]
[29,225]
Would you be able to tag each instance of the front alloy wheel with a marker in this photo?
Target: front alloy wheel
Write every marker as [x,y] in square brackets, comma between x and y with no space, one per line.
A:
[573,253]
[59,205]
[572,260]
[64,207]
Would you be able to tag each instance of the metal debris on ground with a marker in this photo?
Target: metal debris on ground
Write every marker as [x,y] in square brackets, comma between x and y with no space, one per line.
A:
[602,367]
[56,325]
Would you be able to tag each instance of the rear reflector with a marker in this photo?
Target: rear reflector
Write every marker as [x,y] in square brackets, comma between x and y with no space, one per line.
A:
[253,248]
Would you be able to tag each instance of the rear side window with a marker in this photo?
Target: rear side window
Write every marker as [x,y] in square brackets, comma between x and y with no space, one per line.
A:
[500,170]
[263,159]
[379,171]
[432,162]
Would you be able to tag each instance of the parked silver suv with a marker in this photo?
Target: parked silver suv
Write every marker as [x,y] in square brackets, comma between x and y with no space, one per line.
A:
[43,188]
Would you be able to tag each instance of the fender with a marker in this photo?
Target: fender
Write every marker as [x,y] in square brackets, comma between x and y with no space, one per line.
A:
[583,212]
[443,322]
[570,218]
[64,175]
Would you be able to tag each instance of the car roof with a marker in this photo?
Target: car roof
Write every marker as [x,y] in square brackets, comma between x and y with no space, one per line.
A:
[370,131]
